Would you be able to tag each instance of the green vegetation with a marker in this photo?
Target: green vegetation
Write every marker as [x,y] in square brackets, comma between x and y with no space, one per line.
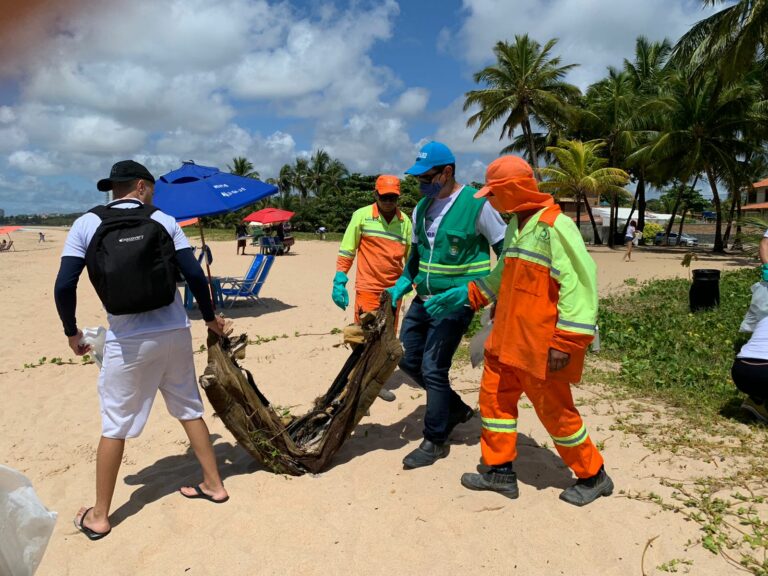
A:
[676,355]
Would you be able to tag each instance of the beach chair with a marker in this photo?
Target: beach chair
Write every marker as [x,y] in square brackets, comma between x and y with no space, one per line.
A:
[271,245]
[248,287]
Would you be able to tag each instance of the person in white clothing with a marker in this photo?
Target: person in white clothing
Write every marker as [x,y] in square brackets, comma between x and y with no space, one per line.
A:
[750,369]
[629,240]
[144,352]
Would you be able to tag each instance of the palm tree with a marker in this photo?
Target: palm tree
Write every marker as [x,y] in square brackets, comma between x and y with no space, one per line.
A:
[581,172]
[525,84]
[728,41]
[702,132]
[325,173]
[647,75]
[242,167]
[610,108]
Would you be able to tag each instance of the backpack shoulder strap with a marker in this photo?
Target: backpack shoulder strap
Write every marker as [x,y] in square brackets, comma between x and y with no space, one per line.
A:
[109,211]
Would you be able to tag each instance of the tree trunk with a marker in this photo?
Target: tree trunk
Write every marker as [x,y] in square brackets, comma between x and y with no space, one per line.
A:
[737,245]
[671,222]
[719,248]
[729,225]
[531,148]
[682,221]
[629,219]
[641,204]
[597,239]
[578,211]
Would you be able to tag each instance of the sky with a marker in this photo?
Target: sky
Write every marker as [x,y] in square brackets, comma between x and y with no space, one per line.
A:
[85,83]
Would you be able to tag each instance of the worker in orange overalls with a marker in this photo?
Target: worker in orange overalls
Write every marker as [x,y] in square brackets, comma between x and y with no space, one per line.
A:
[380,236]
[545,289]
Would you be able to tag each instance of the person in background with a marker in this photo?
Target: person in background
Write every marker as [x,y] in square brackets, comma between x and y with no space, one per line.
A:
[545,289]
[764,255]
[143,353]
[241,233]
[380,236]
[453,233]
[629,240]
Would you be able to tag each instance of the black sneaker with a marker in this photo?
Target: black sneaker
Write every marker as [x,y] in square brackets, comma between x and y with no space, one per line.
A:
[425,455]
[587,490]
[502,481]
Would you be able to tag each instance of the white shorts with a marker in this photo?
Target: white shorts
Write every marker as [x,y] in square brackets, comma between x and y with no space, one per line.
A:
[133,370]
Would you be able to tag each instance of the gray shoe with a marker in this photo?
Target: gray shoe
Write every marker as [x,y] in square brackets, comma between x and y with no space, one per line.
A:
[587,490]
[425,455]
[505,483]
[387,395]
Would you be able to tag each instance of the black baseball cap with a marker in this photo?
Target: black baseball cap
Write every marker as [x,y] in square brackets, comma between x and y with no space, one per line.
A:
[124,171]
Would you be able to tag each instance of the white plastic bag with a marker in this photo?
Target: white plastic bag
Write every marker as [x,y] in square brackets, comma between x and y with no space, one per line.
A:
[25,525]
[95,337]
[758,308]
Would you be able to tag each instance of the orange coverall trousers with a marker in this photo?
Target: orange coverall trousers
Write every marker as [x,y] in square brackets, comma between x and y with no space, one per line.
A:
[368,302]
[500,390]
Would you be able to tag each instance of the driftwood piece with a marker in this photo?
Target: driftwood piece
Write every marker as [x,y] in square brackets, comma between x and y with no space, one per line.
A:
[306,443]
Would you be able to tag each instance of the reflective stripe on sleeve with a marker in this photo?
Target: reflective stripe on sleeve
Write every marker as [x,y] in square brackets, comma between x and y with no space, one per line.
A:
[346,254]
[579,327]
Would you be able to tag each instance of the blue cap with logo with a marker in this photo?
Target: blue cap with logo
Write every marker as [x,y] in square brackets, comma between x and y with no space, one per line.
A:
[431,154]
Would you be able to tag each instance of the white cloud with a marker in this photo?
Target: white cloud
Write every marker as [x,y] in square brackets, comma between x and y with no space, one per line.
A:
[370,143]
[453,131]
[412,102]
[595,34]
[33,163]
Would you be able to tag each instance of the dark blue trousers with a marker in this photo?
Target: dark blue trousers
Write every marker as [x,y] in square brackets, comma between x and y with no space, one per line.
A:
[429,345]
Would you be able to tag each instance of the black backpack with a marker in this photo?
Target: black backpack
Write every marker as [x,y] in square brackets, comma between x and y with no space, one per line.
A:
[131,260]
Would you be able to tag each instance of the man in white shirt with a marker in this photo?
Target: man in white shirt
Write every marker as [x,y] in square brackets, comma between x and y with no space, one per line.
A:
[144,352]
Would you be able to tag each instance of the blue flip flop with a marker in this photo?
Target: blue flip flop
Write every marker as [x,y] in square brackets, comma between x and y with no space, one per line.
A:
[92,534]
[200,494]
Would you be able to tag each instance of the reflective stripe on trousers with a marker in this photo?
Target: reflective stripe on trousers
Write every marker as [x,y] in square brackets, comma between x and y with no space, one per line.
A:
[500,391]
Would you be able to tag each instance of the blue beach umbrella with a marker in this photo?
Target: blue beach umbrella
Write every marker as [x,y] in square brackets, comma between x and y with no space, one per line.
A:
[194,190]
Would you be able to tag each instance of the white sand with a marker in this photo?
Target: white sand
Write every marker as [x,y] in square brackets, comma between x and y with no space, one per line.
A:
[365,515]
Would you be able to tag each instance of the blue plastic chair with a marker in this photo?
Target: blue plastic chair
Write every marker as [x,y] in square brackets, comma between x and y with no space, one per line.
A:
[248,287]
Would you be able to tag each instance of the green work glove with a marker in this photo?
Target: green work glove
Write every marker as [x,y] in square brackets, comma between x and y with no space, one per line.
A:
[400,289]
[340,295]
[765,272]
[447,302]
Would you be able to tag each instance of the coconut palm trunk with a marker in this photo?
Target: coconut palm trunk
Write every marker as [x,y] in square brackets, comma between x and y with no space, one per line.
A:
[597,239]
[718,248]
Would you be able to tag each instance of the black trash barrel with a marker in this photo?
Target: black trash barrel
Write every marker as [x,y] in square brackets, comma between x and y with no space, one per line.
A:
[705,290]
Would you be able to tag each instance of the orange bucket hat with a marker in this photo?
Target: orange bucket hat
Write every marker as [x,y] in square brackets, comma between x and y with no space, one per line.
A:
[511,187]
[388,184]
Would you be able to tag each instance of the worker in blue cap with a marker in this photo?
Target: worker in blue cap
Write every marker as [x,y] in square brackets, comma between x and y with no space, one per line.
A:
[453,233]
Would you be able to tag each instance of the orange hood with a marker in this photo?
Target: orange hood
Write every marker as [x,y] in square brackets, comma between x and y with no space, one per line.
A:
[511,187]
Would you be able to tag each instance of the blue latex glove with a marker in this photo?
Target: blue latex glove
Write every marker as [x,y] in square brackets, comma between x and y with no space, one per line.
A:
[447,302]
[765,272]
[400,289]
[340,295]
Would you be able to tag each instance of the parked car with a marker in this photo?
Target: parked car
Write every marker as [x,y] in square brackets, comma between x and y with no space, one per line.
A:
[674,240]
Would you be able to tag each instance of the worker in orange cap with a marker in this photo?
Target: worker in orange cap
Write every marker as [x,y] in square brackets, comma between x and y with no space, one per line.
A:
[380,235]
[545,289]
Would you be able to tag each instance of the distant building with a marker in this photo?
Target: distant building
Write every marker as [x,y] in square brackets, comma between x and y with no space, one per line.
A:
[757,199]
[2,213]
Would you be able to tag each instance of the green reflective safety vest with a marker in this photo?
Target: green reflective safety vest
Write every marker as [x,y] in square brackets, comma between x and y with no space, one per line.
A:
[458,253]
